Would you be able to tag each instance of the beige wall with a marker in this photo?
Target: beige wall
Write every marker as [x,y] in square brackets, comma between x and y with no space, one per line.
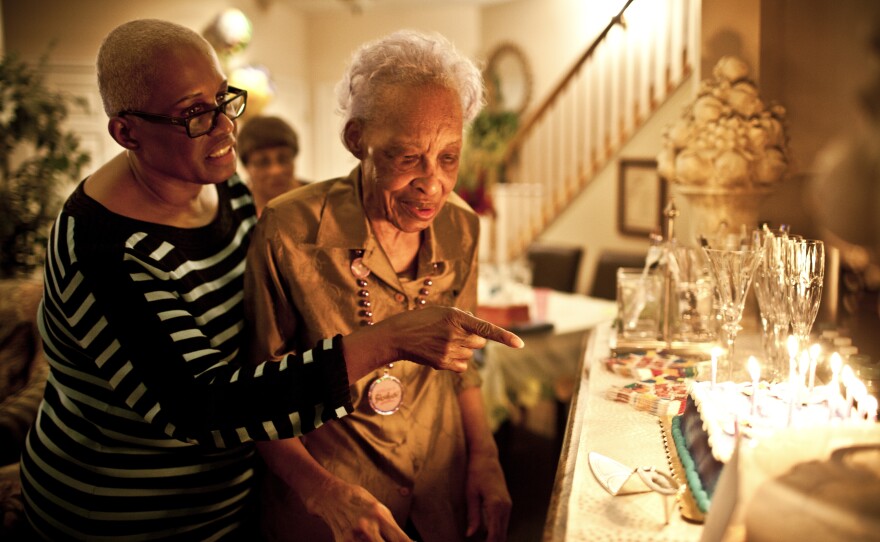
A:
[333,36]
[815,61]
[77,29]
[810,56]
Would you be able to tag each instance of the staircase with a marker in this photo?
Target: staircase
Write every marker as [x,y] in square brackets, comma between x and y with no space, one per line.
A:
[644,53]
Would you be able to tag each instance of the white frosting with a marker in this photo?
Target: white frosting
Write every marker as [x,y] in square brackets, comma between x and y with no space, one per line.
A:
[728,407]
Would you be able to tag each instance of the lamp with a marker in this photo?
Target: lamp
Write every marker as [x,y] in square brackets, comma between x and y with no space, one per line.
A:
[258,82]
[229,32]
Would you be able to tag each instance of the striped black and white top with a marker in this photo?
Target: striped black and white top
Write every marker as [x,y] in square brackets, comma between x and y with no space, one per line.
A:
[144,428]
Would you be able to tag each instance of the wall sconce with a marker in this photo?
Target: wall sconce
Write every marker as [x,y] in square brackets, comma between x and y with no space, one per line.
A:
[229,32]
[258,82]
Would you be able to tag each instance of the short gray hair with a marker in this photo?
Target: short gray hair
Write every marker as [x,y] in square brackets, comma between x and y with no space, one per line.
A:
[126,60]
[407,57]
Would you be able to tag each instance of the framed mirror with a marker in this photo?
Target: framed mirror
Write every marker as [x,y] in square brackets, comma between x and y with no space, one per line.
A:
[508,77]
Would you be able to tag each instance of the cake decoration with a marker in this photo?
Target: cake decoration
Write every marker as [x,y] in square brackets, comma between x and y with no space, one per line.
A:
[716,417]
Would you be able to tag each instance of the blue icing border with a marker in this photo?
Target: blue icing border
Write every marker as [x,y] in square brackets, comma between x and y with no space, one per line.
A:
[687,463]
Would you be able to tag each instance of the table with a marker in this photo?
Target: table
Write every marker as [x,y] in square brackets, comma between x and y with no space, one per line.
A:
[515,379]
[580,508]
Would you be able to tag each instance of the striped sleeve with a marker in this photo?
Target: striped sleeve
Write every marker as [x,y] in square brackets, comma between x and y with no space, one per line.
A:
[152,332]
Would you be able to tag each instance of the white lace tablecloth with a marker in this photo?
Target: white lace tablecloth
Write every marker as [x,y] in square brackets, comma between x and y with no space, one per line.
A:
[584,510]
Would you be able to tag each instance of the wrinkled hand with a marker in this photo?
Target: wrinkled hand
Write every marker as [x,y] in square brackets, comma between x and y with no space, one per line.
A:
[354,514]
[443,337]
[488,501]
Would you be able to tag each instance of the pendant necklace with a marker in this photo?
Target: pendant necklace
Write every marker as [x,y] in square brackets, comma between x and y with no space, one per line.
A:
[385,394]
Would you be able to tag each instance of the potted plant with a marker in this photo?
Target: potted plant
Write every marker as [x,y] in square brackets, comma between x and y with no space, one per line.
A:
[482,158]
[39,162]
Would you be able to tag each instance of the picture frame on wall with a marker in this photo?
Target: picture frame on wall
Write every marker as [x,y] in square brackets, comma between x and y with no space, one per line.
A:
[641,197]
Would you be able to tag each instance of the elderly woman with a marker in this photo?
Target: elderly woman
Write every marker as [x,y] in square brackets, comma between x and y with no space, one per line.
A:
[144,429]
[338,255]
[268,147]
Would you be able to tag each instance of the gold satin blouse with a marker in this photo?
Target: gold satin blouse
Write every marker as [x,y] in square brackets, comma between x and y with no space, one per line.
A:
[300,288]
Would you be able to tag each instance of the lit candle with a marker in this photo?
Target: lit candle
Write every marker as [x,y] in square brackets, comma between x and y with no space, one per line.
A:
[847,377]
[870,407]
[792,345]
[792,375]
[716,353]
[815,350]
[859,393]
[803,369]
[833,392]
[755,373]
[836,363]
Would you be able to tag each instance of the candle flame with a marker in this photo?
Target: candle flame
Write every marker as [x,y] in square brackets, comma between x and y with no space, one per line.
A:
[792,345]
[870,406]
[716,352]
[836,362]
[859,390]
[847,375]
[815,350]
[754,368]
[804,362]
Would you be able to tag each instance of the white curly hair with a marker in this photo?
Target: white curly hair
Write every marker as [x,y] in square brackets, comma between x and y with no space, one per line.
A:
[407,57]
[126,64]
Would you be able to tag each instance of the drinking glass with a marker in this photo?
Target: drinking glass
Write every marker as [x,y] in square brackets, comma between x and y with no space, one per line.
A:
[805,271]
[771,291]
[733,268]
[693,311]
[639,293]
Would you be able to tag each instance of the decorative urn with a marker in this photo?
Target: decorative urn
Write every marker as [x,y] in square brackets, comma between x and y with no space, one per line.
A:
[728,150]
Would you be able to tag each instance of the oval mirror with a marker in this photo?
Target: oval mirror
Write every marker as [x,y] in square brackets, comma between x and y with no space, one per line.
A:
[508,79]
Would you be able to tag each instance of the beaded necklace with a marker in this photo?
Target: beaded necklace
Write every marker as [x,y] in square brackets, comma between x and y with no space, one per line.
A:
[385,394]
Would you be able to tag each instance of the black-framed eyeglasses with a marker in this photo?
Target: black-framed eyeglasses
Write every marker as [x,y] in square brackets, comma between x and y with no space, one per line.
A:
[232,105]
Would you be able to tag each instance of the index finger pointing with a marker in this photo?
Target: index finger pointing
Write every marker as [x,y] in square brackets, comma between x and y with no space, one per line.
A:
[490,331]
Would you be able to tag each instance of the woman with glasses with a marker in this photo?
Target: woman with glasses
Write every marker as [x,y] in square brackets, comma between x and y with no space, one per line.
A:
[145,427]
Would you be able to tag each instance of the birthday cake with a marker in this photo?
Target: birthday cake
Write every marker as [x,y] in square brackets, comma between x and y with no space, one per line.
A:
[837,498]
[814,483]
[705,435]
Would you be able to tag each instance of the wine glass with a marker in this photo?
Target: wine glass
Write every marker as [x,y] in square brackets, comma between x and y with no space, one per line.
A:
[805,271]
[733,268]
[763,285]
[771,291]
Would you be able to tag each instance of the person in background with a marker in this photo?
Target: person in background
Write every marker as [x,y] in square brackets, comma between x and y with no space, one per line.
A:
[268,147]
[391,238]
[145,427]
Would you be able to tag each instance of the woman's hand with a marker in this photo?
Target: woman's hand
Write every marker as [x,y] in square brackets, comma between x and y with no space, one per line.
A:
[488,501]
[353,513]
[439,337]
[444,337]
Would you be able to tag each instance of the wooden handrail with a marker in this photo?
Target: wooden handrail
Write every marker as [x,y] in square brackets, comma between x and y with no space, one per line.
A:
[526,127]
[594,109]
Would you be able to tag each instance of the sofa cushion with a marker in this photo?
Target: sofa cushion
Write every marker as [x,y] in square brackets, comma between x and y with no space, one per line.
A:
[19,338]
[19,411]
[23,368]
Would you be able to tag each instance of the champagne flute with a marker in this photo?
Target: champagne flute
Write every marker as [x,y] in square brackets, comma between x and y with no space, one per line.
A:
[772,294]
[805,270]
[763,286]
[733,268]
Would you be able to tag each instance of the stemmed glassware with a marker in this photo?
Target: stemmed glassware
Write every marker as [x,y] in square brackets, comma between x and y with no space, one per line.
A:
[732,260]
[805,272]
[771,291]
